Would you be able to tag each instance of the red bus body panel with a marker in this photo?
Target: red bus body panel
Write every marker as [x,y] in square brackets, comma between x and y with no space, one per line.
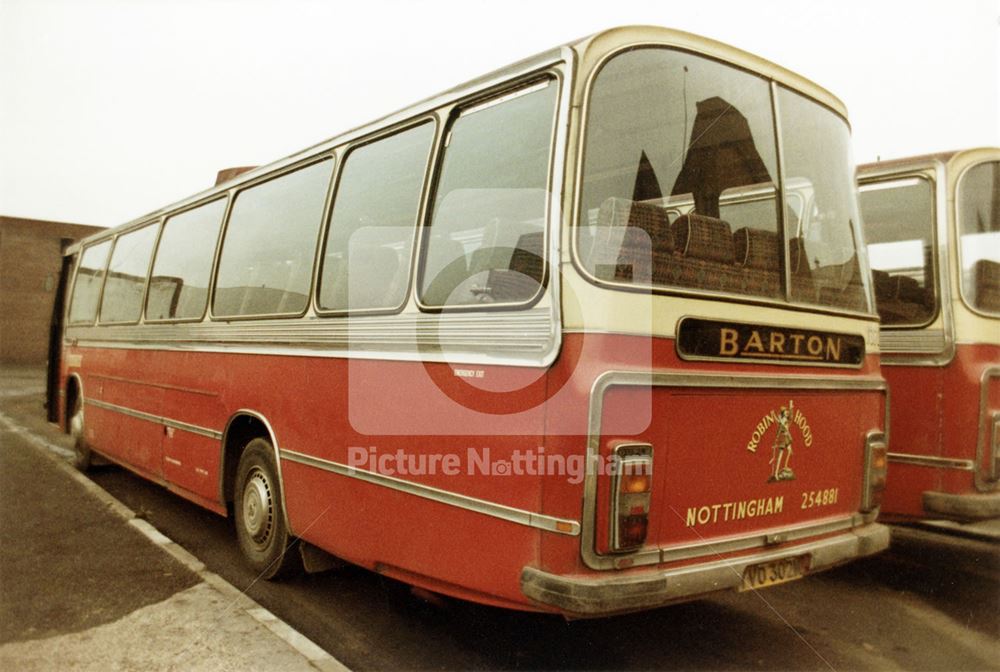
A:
[936,413]
[699,437]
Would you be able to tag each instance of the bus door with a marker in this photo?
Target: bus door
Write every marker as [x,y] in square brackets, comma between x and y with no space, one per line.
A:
[54,363]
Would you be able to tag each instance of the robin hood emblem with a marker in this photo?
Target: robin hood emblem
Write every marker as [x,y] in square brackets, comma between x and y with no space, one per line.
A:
[781,420]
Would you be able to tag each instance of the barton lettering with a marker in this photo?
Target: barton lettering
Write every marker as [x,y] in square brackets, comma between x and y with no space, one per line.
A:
[777,345]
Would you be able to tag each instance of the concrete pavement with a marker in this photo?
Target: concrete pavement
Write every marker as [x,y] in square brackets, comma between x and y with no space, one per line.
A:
[86,585]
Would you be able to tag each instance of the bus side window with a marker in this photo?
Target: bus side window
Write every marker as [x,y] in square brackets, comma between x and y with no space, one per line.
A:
[899,230]
[487,230]
[265,267]
[979,233]
[88,283]
[123,290]
[178,283]
[366,258]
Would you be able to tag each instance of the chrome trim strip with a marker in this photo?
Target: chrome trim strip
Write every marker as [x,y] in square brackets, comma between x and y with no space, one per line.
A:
[613,378]
[931,461]
[158,419]
[757,540]
[912,341]
[983,439]
[485,507]
[528,337]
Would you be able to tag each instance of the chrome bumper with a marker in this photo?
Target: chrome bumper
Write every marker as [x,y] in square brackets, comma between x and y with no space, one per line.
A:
[587,597]
[976,506]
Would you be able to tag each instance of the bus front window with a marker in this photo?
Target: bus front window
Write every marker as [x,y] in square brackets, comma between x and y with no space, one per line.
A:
[680,184]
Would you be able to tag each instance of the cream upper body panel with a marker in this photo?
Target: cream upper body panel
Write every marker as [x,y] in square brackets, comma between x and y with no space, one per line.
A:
[592,309]
[972,328]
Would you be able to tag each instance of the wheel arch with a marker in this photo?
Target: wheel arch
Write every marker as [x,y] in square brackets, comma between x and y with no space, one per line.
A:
[243,426]
[74,391]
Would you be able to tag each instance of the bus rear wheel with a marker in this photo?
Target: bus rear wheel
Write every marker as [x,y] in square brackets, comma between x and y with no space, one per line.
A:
[260,520]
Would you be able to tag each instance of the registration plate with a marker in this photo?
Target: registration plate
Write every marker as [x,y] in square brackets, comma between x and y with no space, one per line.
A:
[774,572]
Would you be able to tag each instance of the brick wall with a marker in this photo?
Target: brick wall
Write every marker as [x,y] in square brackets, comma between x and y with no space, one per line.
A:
[30,259]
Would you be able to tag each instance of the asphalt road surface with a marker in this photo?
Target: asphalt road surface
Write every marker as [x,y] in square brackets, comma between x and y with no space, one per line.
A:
[930,603]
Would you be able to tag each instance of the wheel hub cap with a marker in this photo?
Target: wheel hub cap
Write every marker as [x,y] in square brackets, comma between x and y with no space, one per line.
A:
[257,507]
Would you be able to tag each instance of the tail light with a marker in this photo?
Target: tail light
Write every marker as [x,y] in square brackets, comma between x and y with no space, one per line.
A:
[876,465]
[631,487]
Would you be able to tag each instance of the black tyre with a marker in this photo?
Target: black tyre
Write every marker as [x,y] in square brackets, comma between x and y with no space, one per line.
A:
[83,457]
[260,520]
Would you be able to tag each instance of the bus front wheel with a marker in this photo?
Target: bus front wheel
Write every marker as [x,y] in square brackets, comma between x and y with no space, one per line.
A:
[260,520]
[83,457]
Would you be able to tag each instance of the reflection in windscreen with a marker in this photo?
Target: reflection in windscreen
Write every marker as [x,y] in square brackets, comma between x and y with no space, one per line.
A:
[680,185]
[680,173]
[825,254]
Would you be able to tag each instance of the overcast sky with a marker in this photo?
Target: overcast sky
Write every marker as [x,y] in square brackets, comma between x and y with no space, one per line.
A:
[110,109]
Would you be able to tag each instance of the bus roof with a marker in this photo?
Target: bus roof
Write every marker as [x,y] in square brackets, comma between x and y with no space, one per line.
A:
[906,161]
[598,45]
[916,161]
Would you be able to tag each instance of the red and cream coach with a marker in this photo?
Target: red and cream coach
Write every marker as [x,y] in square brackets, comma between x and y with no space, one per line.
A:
[590,334]
[933,230]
